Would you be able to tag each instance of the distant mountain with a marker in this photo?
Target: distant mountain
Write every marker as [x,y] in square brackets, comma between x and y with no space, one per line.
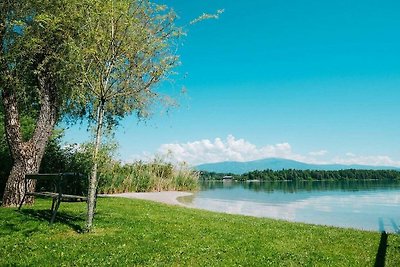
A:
[279,164]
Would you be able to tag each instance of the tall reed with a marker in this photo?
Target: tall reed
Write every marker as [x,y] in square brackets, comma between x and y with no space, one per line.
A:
[154,176]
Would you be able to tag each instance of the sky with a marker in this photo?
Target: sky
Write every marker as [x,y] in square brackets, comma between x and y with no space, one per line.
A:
[315,81]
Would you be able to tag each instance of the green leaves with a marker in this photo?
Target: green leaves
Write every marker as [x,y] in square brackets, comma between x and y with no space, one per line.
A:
[41,37]
[126,48]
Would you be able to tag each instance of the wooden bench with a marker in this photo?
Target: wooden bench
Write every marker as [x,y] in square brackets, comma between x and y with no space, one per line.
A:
[59,182]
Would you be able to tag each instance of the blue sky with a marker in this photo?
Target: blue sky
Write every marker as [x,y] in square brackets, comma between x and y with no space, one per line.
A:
[317,81]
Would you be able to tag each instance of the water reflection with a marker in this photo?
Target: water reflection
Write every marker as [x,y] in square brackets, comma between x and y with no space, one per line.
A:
[298,186]
[370,205]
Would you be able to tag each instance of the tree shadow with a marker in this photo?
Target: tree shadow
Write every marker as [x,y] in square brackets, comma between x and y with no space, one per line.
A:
[8,228]
[74,222]
[381,254]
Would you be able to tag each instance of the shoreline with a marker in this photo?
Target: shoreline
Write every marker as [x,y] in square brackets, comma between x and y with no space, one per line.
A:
[166,197]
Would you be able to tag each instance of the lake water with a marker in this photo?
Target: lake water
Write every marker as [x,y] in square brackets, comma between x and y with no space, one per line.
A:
[369,205]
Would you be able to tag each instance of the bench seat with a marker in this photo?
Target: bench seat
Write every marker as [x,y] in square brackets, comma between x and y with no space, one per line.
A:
[64,197]
[60,180]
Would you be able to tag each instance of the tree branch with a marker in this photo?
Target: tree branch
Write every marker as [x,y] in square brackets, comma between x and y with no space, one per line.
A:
[12,121]
[48,114]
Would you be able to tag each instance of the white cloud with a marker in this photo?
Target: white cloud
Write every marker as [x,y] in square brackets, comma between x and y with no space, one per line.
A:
[318,153]
[230,149]
[379,160]
[233,149]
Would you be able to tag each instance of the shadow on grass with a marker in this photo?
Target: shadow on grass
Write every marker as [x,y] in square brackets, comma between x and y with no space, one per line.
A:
[45,215]
[8,228]
[381,254]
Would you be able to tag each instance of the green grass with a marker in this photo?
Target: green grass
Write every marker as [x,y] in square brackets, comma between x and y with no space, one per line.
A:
[135,232]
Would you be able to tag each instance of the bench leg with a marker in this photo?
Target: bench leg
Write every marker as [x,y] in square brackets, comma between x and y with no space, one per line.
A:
[56,206]
[22,202]
[53,202]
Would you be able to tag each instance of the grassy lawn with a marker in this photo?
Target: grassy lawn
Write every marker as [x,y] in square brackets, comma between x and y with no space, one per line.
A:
[136,232]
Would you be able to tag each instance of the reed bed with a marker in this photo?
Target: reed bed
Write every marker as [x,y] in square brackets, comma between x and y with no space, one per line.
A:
[154,176]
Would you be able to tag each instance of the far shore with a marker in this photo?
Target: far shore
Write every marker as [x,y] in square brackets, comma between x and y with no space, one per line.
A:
[166,197]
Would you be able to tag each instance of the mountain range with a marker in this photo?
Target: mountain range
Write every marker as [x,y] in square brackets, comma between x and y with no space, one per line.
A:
[275,164]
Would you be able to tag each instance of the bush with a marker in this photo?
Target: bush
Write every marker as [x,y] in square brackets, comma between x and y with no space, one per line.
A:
[114,177]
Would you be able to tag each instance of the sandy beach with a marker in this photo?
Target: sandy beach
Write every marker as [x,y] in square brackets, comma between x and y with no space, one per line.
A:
[167,197]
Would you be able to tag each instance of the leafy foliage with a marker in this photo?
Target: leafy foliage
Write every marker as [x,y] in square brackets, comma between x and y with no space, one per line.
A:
[126,48]
[40,41]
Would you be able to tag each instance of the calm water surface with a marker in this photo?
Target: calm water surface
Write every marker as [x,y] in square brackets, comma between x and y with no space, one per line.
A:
[369,205]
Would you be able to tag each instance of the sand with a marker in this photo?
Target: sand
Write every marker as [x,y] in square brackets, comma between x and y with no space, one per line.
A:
[167,197]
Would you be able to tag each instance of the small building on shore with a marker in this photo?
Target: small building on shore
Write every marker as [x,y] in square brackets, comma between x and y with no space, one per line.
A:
[227,178]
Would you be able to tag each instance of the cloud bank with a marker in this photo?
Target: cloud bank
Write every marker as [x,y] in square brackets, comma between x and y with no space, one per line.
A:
[379,160]
[233,149]
[230,149]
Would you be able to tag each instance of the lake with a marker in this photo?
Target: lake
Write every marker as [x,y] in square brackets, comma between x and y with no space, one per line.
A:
[368,205]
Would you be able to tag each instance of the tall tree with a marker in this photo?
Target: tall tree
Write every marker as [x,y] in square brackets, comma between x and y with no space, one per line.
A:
[36,66]
[129,47]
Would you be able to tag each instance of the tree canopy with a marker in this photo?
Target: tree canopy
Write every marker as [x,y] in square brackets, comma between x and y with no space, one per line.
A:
[127,47]
[38,73]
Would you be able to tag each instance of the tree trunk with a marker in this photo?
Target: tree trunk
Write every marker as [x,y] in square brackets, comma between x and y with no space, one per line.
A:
[91,203]
[27,155]
[14,190]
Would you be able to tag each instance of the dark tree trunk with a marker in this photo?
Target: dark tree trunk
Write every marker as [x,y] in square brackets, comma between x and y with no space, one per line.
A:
[14,189]
[27,155]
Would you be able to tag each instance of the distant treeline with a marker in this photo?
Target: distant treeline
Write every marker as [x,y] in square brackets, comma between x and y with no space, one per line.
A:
[306,175]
